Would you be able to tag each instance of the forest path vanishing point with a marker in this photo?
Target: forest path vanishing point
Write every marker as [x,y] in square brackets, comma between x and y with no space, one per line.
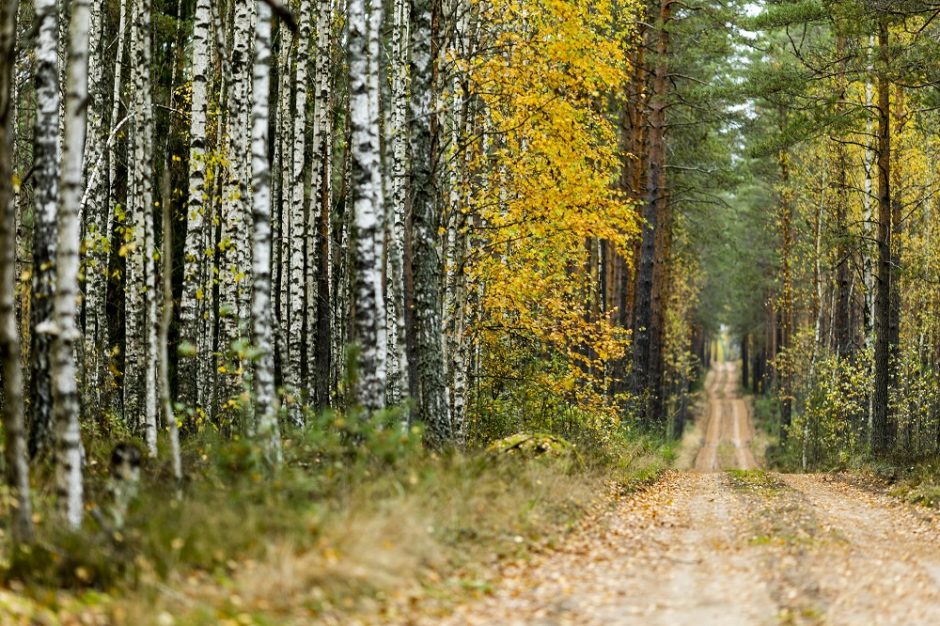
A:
[709,547]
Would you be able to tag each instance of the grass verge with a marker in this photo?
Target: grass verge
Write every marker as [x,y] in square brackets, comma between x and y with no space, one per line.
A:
[365,529]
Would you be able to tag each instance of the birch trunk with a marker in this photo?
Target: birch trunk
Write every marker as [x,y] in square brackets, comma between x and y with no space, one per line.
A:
[16,468]
[166,317]
[429,366]
[192,302]
[881,431]
[108,398]
[207,394]
[342,278]
[262,315]
[233,286]
[166,272]
[93,207]
[319,240]
[397,384]
[456,305]
[369,322]
[298,226]
[282,239]
[46,198]
[140,402]
[868,274]
[68,470]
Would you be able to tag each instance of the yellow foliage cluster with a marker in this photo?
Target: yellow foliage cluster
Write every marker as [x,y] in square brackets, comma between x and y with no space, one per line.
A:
[544,169]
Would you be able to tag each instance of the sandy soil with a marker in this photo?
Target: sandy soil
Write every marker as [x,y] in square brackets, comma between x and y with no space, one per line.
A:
[728,427]
[710,548]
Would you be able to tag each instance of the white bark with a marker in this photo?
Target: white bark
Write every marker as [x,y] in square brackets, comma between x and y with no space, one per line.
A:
[68,470]
[366,196]
[163,357]
[397,385]
[195,284]
[298,222]
[208,344]
[140,384]
[432,406]
[46,198]
[16,468]
[93,208]
[262,316]
[456,350]
[166,273]
[234,265]
[319,238]
[282,238]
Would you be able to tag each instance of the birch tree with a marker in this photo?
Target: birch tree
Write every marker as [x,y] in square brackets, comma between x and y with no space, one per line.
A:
[16,468]
[298,223]
[366,196]
[46,198]
[262,315]
[319,252]
[281,190]
[93,207]
[395,217]
[140,401]
[194,278]
[235,255]
[65,388]
[429,359]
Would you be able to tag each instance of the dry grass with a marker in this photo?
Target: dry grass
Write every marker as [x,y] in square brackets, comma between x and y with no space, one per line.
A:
[425,531]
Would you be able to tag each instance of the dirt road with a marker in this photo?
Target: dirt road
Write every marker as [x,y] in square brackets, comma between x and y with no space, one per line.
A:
[708,548]
[727,427]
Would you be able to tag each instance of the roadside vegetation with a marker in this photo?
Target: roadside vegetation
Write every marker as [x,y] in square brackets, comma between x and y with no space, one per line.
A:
[360,520]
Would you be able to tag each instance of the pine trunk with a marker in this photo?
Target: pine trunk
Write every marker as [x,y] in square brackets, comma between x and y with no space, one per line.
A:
[652,272]
[785,314]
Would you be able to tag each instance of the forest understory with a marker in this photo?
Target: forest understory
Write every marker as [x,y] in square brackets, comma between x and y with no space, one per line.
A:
[469,311]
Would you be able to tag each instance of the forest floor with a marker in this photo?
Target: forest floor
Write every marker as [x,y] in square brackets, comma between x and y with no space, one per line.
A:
[725,544]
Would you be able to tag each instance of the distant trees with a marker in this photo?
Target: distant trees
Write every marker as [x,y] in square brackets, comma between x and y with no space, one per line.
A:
[857,365]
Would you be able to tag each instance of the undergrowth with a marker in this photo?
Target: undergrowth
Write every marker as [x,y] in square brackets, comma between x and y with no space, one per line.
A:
[360,515]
